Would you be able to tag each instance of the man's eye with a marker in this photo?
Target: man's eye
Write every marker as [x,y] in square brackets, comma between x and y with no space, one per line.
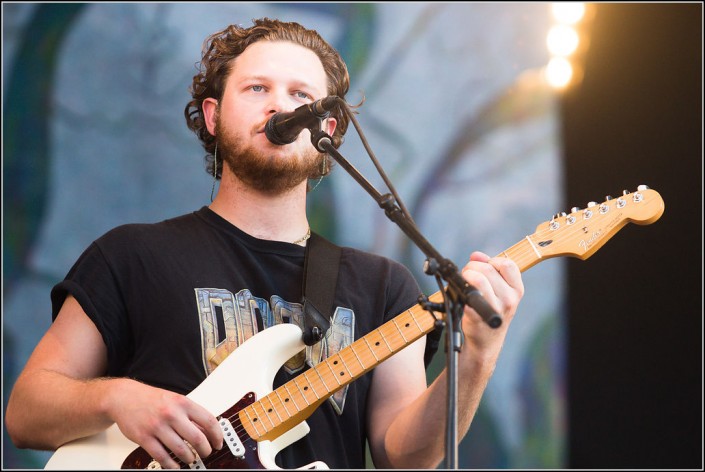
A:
[302,95]
[257,88]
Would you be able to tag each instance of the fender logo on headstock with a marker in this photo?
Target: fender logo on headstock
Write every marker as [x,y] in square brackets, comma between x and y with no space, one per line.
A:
[585,244]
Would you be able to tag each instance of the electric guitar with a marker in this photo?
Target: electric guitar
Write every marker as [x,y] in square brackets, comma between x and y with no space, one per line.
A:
[258,422]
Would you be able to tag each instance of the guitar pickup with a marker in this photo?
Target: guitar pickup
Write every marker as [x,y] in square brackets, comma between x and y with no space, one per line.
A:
[231,438]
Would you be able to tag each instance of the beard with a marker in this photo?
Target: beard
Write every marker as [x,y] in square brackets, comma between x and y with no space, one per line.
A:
[269,174]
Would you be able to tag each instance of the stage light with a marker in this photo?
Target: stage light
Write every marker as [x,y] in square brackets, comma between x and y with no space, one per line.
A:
[562,40]
[567,41]
[568,13]
[559,71]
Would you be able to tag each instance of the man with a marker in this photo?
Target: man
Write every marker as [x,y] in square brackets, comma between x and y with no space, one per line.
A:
[133,320]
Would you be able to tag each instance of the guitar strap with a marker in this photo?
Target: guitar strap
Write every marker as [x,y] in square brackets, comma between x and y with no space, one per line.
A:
[321,262]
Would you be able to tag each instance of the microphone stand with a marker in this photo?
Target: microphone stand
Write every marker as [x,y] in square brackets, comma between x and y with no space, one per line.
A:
[457,293]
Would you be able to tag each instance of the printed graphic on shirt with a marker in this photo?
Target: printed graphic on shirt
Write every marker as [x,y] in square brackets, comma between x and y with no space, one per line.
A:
[339,335]
[227,320]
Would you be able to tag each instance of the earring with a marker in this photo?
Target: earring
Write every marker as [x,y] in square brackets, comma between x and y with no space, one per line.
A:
[323,170]
[215,169]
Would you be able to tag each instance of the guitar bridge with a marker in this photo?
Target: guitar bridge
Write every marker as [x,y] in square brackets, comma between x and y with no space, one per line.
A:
[230,438]
[196,464]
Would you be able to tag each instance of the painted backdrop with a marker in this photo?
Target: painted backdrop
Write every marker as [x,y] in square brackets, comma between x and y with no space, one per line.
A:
[456,112]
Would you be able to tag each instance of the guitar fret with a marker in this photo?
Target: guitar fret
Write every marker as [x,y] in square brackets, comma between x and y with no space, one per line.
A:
[340,356]
[253,423]
[523,254]
[311,385]
[322,380]
[352,348]
[333,372]
[415,321]
[264,413]
[296,382]
[399,329]
[282,402]
[370,348]
[292,397]
[273,408]
[260,416]
[385,340]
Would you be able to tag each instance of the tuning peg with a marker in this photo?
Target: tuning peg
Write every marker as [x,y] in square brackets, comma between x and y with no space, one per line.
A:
[574,210]
[642,187]
[625,192]
[554,224]
[591,204]
[608,198]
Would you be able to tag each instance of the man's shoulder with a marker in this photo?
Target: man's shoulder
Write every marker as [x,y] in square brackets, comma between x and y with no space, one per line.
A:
[151,231]
[374,264]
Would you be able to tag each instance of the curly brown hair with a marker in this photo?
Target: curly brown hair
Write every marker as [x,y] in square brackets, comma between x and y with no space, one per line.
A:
[222,47]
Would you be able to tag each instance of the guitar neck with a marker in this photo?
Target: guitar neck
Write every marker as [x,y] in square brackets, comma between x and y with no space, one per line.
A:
[578,234]
[294,401]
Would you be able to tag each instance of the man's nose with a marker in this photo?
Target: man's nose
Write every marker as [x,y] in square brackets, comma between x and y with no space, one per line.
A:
[279,102]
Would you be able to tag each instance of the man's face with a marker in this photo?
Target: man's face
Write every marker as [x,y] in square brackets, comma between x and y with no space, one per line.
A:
[269,77]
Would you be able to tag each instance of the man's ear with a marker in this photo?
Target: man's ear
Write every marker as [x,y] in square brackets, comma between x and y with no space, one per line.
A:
[330,125]
[210,112]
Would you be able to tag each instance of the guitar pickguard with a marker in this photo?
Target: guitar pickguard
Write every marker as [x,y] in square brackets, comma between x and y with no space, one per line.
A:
[239,451]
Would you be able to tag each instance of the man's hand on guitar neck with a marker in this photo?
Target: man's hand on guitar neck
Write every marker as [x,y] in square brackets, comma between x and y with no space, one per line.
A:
[499,280]
[407,420]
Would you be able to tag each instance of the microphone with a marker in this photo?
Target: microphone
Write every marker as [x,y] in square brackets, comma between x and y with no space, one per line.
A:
[284,127]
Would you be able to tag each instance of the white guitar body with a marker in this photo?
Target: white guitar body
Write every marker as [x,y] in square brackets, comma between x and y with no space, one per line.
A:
[250,368]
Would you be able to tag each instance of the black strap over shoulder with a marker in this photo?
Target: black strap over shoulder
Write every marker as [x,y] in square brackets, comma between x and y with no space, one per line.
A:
[321,263]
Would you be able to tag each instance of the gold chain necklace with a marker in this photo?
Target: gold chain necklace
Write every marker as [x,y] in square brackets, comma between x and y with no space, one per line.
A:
[304,238]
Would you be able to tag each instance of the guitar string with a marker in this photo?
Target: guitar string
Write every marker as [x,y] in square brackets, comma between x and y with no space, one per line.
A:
[395,337]
[316,383]
[563,233]
[274,397]
[275,400]
[240,430]
[518,253]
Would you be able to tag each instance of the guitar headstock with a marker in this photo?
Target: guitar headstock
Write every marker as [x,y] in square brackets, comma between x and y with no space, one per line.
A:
[583,231]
